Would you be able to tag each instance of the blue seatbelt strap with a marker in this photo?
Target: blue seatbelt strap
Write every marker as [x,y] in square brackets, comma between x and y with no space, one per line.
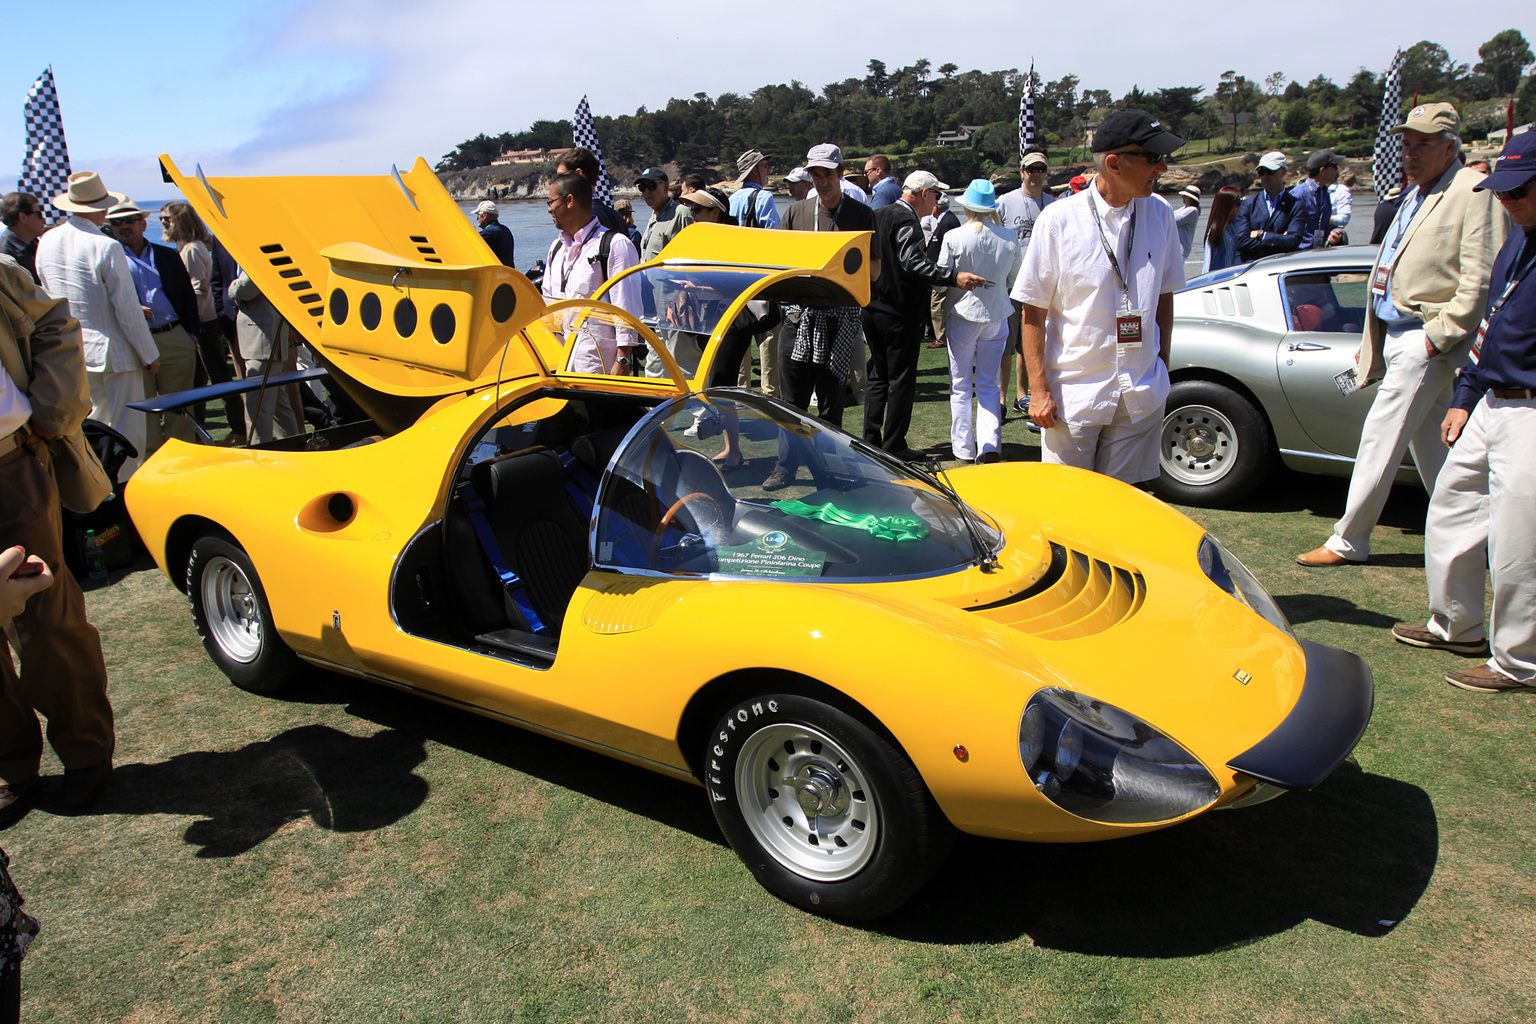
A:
[509,579]
[579,484]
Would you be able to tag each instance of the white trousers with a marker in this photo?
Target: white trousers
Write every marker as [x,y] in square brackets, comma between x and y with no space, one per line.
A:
[1406,414]
[110,395]
[1123,448]
[1483,514]
[975,360]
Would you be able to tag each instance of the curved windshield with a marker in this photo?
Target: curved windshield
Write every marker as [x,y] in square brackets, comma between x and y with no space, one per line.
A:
[683,306]
[686,495]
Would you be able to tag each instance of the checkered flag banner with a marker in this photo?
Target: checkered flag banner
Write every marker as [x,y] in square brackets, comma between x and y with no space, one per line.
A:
[1388,167]
[1027,113]
[45,168]
[585,135]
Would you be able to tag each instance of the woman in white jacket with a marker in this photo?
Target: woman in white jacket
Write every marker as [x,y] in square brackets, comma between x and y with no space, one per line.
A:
[977,322]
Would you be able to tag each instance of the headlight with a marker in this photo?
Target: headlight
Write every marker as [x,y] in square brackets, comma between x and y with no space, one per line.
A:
[1233,576]
[1104,764]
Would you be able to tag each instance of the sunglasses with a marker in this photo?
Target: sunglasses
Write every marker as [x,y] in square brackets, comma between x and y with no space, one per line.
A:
[646,186]
[1514,195]
[1151,158]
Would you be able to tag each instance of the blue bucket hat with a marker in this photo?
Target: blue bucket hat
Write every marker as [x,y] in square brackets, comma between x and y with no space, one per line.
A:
[979,196]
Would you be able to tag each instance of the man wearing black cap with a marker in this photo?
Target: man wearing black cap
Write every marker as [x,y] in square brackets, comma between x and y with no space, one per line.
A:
[1097,289]
[1316,203]
[1480,515]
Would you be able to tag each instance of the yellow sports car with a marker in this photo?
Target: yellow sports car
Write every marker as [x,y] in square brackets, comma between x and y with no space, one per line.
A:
[852,666]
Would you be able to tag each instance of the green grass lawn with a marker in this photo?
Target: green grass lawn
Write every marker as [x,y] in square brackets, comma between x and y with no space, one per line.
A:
[351,853]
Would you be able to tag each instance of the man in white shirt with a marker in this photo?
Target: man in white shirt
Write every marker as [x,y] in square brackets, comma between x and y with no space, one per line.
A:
[1097,289]
[75,261]
[581,259]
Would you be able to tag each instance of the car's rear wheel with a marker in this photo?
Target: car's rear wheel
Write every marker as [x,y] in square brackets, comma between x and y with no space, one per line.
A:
[826,813]
[233,618]
[1215,445]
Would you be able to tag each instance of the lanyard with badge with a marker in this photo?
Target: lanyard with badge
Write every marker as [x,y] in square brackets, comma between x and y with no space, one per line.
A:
[1517,272]
[1381,276]
[816,220]
[1128,321]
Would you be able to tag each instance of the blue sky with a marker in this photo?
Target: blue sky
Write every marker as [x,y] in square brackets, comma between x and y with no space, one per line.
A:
[351,86]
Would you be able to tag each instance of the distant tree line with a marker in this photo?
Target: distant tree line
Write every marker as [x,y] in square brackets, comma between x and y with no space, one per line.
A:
[906,108]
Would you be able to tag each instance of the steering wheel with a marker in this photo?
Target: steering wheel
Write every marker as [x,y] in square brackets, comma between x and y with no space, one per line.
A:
[671,514]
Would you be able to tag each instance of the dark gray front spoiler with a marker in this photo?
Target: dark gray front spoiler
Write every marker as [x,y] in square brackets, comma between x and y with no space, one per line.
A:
[1322,728]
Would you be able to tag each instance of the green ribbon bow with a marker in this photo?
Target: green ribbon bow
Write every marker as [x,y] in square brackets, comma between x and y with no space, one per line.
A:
[884,527]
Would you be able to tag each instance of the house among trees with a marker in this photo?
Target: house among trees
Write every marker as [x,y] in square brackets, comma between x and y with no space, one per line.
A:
[1499,137]
[521,156]
[958,139]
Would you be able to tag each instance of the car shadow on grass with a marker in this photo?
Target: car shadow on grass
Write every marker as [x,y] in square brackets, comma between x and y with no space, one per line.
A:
[1355,854]
[1286,490]
[672,802]
[242,797]
[1300,608]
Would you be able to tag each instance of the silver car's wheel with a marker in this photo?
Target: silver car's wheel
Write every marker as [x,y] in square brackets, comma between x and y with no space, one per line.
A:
[806,800]
[1215,445]
[230,604]
[230,610]
[1200,445]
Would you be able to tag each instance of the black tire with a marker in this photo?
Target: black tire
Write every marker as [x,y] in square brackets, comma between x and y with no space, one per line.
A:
[234,620]
[1215,446]
[877,834]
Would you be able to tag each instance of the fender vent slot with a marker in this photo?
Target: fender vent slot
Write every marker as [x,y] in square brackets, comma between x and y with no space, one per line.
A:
[1078,596]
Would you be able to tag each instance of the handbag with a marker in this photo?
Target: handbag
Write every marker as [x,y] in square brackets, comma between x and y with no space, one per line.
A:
[83,483]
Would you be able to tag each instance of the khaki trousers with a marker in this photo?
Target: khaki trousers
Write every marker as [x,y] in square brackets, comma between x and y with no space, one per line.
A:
[63,676]
[178,371]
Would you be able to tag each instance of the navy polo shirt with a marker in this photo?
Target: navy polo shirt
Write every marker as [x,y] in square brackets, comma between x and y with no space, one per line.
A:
[1508,356]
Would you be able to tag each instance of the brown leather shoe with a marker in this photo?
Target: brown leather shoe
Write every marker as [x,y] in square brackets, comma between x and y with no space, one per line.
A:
[15,801]
[1322,558]
[1418,636]
[1485,680]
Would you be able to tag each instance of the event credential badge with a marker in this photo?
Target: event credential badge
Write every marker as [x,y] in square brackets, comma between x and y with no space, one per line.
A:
[1128,328]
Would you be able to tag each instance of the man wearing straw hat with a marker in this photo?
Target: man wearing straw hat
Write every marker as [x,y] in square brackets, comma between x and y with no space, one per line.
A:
[75,261]
[170,305]
[1427,291]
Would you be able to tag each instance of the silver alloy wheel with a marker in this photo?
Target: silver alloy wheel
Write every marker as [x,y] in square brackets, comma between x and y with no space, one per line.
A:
[1200,445]
[807,802]
[229,602]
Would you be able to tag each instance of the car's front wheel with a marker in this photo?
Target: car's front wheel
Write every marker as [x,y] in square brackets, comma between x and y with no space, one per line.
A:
[826,813]
[1215,445]
[230,610]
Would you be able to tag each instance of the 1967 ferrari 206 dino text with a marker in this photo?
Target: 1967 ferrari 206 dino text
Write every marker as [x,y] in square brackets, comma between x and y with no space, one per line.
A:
[853,667]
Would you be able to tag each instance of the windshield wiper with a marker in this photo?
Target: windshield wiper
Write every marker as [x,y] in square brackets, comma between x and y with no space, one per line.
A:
[935,474]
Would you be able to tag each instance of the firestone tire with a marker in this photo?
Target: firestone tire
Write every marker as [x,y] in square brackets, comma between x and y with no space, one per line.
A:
[827,814]
[230,611]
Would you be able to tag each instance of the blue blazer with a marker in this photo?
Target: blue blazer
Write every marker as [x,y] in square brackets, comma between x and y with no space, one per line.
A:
[1281,227]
